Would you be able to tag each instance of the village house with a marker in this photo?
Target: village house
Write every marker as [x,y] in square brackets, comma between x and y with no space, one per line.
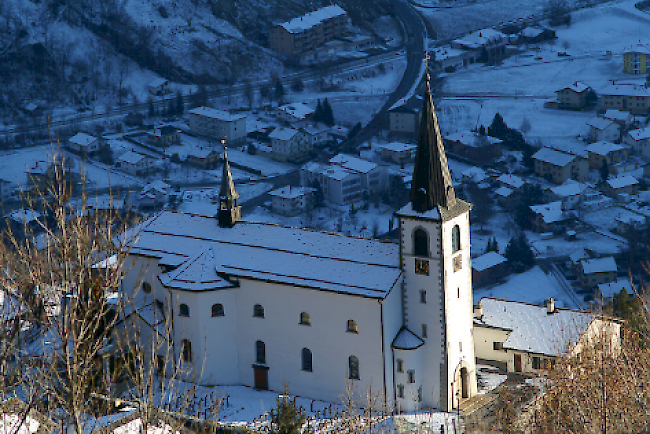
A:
[84,144]
[574,96]
[488,268]
[570,193]
[295,112]
[622,184]
[593,272]
[164,135]
[340,186]
[309,32]
[601,129]
[527,338]
[218,124]
[473,147]
[374,177]
[135,163]
[263,305]
[203,157]
[154,195]
[450,58]
[559,166]
[639,140]
[511,181]
[291,201]
[621,117]
[636,60]
[316,134]
[630,97]
[551,217]
[106,206]
[403,120]
[504,196]
[159,87]
[611,154]
[485,45]
[533,35]
[397,152]
[289,144]
[608,290]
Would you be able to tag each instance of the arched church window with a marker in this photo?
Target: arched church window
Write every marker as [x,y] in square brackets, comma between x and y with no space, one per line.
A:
[260,352]
[306,360]
[183,310]
[420,242]
[186,349]
[353,362]
[305,319]
[455,239]
[217,309]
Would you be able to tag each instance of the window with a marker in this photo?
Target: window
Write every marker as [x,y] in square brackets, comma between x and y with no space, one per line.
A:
[258,311]
[420,394]
[146,287]
[424,331]
[186,349]
[460,346]
[183,310]
[400,365]
[536,363]
[400,391]
[352,326]
[217,309]
[306,360]
[411,376]
[423,296]
[353,363]
[304,318]
[420,242]
[260,352]
[497,346]
[455,239]
[458,292]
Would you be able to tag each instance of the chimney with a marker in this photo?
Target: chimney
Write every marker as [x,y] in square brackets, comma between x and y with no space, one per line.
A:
[550,306]
[478,311]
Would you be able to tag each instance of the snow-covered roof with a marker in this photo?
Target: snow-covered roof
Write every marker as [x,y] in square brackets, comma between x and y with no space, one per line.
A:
[532,328]
[599,265]
[407,340]
[283,133]
[488,260]
[503,191]
[617,115]
[609,289]
[292,256]
[554,157]
[132,157]
[622,181]
[531,32]
[480,38]
[640,134]
[626,90]
[196,274]
[157,82]
[577,87]
[603,148]
[353,163]
[82,139]
[398,146]
[289,192]
[297,110]
[569,188]
[212,113]
[156,185]
[578,255]
[551,212]
[408,211]
[469,138]
[639,49]
[337,172]
[38,168]
[446,52]
[24,216]
[318,128]
[311,19]
[475,173]
[136,426]
[600,123]
[511,180]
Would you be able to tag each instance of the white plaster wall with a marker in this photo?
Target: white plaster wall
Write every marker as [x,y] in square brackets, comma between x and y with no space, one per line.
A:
[392,322]
[412,361]
[484,338]
[326,337]
[139,269]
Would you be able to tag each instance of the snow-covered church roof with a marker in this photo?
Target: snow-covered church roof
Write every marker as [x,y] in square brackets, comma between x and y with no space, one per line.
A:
[272,253]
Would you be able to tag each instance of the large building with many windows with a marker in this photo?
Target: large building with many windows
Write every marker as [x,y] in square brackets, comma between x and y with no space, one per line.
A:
[636,60]
[232,302]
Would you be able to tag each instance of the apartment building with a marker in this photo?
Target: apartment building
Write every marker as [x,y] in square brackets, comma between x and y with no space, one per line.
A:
[218,124]
[631,97]
[636,60]
[560,166]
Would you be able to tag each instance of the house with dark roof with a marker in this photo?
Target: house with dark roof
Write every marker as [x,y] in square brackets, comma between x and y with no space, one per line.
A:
[260,304]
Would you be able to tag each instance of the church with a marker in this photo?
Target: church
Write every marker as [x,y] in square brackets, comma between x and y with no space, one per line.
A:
[259,305]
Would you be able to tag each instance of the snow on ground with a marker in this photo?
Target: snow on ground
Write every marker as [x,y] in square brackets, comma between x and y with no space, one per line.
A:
[14,424]
[205,201]
[488,378]
[600,242]
[533,286]
[500,226]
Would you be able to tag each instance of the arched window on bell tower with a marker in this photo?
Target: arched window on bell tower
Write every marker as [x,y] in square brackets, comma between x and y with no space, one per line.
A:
[455,239]
[420,242]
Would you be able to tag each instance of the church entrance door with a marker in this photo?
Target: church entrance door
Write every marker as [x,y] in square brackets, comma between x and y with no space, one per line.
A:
[517,362]
[261,377]
[464,383]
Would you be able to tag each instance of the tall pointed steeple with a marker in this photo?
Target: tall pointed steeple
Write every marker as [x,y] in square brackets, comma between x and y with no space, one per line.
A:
[431,186]
[229,209]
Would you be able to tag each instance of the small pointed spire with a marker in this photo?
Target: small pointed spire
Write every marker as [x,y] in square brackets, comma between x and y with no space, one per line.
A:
[227,190]
[431,185]
[229,209]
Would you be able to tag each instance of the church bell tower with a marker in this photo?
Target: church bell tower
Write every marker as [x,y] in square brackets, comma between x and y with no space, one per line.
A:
[229,210]
[437,289]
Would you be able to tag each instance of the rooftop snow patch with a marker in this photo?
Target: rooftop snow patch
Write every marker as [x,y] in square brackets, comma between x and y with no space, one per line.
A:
[599,265]
[283,134]
[480,38]
[216,114]
[353,163]
[398,146]
[569,188]
[603,148]
[612,288]
[577,87]
[622,181]
[640,134]
[82,139]
[407,340]
[289,192]
[552,156]
[626,90]
[312,19]
[551,212]
[297,110]
[510,180]
[533,329]
[599,123]
[488,260]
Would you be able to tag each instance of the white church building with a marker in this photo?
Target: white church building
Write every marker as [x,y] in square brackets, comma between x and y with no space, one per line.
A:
[259,305]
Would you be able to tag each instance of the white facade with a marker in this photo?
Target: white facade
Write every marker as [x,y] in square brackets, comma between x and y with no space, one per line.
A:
[219,124]
[289,144]
[291,201]
[84,143]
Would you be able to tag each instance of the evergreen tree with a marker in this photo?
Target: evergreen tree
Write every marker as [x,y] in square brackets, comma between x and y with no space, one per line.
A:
[318,114]
[526,256]
[481,130]
[492,245]
[524,216]
[498,128]
[512,252]
[328,115]
[286,418]
[152,109]
[180,105]
[171,108]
